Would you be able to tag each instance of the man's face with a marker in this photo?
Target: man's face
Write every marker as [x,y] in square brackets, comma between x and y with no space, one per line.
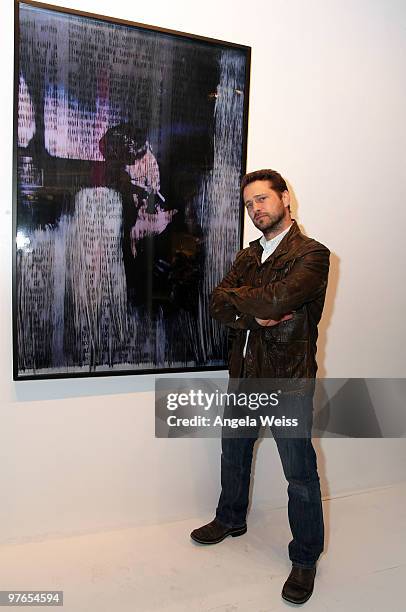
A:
[265,207]
[136,149]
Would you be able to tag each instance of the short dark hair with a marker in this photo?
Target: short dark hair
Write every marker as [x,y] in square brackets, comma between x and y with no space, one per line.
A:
[113,144]
[278,183]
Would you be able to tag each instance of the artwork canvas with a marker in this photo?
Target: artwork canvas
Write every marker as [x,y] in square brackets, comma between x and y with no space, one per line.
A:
[130,142]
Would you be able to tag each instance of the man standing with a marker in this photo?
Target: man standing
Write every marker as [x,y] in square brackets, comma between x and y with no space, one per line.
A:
[272,300]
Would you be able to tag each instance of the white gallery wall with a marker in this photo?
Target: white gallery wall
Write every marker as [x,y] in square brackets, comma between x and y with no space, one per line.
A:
[327,109]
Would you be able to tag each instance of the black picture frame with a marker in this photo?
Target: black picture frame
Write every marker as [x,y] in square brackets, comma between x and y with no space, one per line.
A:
[129,144]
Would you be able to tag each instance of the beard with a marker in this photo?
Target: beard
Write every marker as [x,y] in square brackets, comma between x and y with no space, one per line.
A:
[269,221]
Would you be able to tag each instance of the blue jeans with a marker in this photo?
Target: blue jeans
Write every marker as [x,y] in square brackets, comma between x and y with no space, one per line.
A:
[299,464]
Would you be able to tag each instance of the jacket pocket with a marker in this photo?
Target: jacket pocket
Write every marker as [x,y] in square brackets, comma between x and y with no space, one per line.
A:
[278,272]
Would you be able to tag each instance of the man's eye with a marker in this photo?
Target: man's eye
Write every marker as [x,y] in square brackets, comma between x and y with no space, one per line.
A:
[248,205]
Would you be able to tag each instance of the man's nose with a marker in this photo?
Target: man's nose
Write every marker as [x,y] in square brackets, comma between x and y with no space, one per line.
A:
[256,206]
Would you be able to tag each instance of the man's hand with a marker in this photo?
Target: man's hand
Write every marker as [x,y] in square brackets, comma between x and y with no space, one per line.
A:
[150,224]
[271,322]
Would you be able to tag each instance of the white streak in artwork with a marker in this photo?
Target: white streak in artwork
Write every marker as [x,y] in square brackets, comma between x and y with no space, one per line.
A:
[72,288]
[219,194]
[23,242]
[95,276]
[35,298]
[59,278]
[26,120]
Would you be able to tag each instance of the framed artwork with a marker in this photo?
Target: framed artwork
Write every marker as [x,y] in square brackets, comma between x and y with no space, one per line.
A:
[129,145]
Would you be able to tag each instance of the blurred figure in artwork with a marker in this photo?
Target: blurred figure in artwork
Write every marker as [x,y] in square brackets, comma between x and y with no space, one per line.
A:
[162,259]
[132,165]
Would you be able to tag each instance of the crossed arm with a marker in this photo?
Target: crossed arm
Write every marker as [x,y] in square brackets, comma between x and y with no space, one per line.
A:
[271,303]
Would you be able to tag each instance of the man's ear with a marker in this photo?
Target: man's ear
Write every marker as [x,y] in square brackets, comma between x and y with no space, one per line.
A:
[286,198]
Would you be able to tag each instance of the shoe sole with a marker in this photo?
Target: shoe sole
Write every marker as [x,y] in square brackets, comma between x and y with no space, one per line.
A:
[297,602]
[233,534]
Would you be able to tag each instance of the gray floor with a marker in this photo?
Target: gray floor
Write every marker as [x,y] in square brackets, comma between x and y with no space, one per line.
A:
[159,568]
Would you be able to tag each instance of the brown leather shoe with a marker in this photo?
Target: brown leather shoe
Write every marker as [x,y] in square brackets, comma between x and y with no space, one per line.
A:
[298,588]
[215,532]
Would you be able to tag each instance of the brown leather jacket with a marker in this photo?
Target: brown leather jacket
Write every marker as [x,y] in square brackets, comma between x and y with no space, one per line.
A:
[292,279]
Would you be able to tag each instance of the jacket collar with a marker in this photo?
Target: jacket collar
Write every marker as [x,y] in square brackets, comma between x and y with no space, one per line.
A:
[255,248]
